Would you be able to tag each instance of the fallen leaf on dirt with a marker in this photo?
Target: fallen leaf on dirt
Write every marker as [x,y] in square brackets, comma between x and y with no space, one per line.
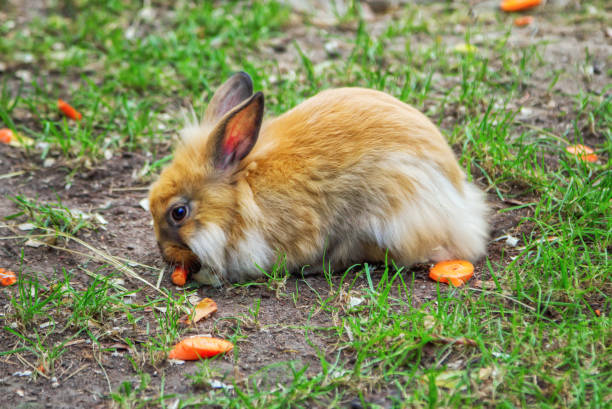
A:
[449,379]
[583,152]
[215,384]
[95,218]
[74,342]
[452,379]
[34,243]
[93,324]
[68,110]
[512,241]
[191,349]
[119,346]
[486,373]
[144,203]
[487,285]
[203,309]
[518,5]
[349,333]
[7,277]
[465,48]
[429,321]
[26,226]
[179,276]
[355,301]
[16,140]
[457,272]
[458,341]
[20,141]
[523,21]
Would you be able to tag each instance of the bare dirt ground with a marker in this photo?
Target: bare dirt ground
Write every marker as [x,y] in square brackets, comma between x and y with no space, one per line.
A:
[84,374]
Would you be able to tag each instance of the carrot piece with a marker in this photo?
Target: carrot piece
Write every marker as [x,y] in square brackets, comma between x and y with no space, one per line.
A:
[68,110]
[7,277]
[6,135]
[523,21]
[457,272]
[191,349]
[598,313]
[518,5]
[583,152]
[179,276]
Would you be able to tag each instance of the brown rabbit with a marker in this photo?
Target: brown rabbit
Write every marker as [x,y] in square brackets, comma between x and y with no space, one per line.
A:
[347,175]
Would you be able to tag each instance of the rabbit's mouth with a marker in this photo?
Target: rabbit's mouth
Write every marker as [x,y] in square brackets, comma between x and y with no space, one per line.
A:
[200,272]
[193,267]
[180,256]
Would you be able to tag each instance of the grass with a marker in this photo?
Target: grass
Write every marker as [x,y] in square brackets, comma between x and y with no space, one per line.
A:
[528,336]
[54,216]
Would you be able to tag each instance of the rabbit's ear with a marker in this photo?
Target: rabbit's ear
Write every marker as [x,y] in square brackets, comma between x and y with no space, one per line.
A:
[235,90]
[237,133]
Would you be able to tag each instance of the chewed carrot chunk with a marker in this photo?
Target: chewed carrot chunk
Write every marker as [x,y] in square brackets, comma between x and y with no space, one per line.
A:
[68,110]
[191,349]
[179,276]
[7,277]
[6,135]
[457,272]
[518,5]
[583,152]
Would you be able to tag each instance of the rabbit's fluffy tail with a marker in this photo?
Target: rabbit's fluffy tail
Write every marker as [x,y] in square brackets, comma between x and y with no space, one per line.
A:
[467,227]
[437,221]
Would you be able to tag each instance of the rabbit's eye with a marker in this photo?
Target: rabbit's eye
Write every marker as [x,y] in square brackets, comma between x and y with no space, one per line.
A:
[179,213]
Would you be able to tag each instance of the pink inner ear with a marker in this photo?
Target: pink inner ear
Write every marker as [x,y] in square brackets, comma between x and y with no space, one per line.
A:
[238,134]
[232,139]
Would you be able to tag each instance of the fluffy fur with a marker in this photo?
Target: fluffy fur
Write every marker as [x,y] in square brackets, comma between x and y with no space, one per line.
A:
[348,173]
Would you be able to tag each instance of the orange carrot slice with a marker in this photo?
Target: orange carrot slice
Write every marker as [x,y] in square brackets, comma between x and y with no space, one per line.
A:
[583,152]
[179,276]
[68,110]
[457,272]
[6,135]
[598,313]
[518,5]
[191,349]
[7,277]
[523,21]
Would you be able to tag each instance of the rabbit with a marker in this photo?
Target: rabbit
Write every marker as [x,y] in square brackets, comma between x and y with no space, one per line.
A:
[349,175]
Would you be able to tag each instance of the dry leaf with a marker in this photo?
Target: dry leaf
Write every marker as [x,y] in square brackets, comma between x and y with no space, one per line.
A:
[465,48]
[204,309]
[450,380]
[458,341]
